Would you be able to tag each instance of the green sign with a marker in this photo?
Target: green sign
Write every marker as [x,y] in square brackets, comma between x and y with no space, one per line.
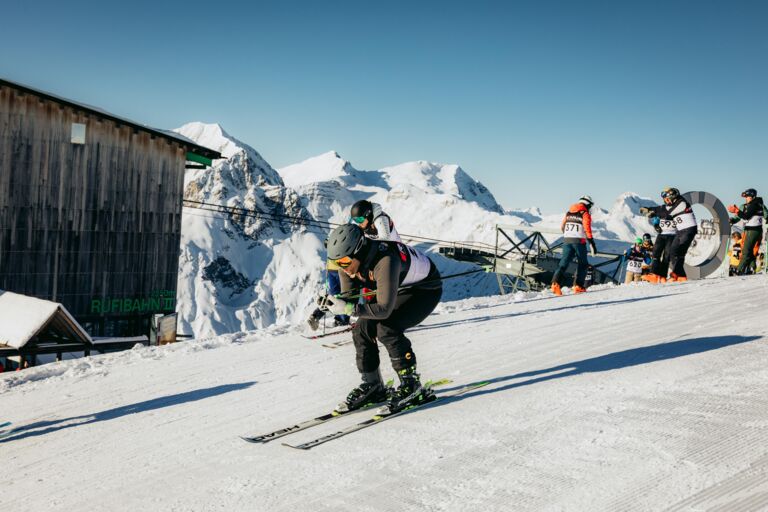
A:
[160,301]
[200,159]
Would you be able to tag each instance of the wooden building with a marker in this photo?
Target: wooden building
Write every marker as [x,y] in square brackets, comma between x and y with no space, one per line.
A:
[90,209]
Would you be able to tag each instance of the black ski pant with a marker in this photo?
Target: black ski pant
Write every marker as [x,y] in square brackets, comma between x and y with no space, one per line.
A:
[678,249]
[570,250]
[750,244]
[660,263]
[411,308]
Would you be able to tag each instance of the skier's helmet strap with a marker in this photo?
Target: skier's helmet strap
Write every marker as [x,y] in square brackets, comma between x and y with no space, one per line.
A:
[345,240]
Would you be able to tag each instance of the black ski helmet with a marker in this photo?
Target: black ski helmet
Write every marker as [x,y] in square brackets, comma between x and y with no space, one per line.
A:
[362,209]
[646,237]
[345,240]
[670,192]
[750,192]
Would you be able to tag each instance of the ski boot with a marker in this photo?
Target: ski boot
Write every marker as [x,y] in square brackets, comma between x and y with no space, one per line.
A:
[371,391]
[651,278]
[556,289]
[579,289]
[409,393]
[314,319]
[340,320]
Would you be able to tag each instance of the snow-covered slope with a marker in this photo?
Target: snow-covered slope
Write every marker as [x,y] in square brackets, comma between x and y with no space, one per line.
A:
[245,272]
[590,407]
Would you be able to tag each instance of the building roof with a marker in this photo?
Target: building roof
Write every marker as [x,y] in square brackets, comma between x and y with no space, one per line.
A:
[23,318]
[191,145]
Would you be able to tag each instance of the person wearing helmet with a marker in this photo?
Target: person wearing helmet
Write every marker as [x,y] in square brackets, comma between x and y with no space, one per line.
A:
[636,257]
[647,243]
[751,215]
[407,288]
[666,230]
[577,232]
[374,222]
[679,211]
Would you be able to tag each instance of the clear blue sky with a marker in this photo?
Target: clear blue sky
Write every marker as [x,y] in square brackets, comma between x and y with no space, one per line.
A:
[542,101]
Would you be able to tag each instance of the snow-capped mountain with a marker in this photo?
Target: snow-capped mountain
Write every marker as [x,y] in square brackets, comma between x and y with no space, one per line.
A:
[248,272]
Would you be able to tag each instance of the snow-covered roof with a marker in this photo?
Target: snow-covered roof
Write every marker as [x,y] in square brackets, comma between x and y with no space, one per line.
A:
[23,317]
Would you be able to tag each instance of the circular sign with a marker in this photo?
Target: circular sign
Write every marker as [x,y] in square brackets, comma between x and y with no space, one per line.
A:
[707,251]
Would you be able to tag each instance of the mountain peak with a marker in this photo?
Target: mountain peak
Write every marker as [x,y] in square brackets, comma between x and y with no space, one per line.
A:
[324,167]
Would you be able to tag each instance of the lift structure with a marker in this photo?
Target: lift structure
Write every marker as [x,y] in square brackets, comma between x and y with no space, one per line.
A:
[524,260]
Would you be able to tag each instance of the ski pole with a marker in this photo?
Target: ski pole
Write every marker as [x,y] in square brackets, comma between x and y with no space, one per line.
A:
[441,278]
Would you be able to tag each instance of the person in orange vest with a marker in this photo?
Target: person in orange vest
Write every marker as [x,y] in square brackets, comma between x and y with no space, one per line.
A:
[577,233]
[751,214]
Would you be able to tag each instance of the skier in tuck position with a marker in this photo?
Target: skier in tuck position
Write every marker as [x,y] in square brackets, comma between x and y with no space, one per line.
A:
[386,267]
[373,221]
[577,232]
[751,213]
[679,211]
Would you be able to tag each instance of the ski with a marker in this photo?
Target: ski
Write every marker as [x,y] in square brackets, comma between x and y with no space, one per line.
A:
[337,344]
[270,436]
[378,418]
[325,334]
[3,431]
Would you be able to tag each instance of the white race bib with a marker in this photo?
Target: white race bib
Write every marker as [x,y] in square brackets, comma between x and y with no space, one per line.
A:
[755,221]
[685,221]
[635,266]
[667,226]
[573,230]
[419,269]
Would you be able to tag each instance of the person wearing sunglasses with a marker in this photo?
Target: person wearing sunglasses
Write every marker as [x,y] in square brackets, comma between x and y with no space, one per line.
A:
[373,221]
[680,212]
[407,288]
[751,214]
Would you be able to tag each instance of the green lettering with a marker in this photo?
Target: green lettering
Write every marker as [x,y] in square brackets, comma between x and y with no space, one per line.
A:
[115,303]
[168,304]
[96,306]
[155,302]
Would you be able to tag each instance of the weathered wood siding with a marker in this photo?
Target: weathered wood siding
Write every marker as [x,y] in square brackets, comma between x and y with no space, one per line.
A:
[78,223]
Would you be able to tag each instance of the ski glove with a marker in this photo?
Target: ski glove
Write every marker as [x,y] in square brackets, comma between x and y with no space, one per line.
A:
[733,209]
[339,306]
[592,246]
[734,220]
[644,210]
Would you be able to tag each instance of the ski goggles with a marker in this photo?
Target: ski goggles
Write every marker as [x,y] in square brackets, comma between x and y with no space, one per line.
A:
[343,262]
[357,220]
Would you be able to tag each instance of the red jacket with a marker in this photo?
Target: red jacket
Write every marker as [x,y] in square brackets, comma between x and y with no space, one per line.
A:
[578,214]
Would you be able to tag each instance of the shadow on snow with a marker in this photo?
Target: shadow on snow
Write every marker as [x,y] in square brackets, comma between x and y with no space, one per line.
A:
[46,427]
[608,362]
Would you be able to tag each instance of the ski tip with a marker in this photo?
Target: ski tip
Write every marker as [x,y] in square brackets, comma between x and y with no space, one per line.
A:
[296,447]
[252,440]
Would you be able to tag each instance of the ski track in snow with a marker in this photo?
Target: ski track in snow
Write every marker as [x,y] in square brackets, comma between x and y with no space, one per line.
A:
[624,398]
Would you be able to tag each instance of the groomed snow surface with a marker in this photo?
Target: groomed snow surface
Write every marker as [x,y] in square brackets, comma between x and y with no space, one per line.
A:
[636,397]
